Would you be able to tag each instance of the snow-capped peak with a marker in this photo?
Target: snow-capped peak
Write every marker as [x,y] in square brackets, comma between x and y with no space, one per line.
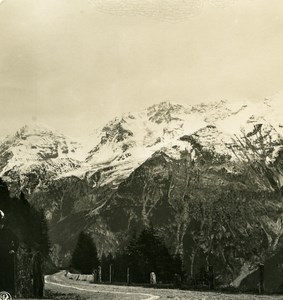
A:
[127,141]
[37,146]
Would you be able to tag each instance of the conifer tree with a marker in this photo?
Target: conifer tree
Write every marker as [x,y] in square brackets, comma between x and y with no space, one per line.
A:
[30,228]
[148,253]
[84,258]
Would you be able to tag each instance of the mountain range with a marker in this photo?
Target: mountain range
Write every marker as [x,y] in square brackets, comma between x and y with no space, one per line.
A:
[208,176]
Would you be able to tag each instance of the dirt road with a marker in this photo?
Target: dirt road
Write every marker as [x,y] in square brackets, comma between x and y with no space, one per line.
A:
[80,290]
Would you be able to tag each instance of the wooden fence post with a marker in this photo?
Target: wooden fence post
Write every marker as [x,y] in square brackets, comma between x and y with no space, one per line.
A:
[261,279]
[110,273]
[99,274]
[211,277]
[128,275]
[15,277]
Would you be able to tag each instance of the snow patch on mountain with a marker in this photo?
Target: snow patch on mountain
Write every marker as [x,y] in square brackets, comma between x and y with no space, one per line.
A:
[121,145]
[37,153]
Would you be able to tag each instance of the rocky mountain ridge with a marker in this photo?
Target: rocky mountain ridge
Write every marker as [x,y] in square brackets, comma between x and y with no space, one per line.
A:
[210,174]
[134,137]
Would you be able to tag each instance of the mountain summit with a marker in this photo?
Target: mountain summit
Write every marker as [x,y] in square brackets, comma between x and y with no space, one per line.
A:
[129,140]
[209,174]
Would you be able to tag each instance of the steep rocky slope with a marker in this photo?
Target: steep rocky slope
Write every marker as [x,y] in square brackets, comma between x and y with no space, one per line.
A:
[211,207]
[209,177]
[34,155]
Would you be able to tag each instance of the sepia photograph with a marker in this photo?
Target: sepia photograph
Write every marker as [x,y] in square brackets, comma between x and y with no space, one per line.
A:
[141,149]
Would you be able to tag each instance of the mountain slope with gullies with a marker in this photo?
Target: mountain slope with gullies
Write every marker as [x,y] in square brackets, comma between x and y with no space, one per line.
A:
[209,177]
[34,155]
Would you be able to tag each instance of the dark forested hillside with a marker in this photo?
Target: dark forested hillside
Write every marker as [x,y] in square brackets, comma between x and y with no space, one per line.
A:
[30,228]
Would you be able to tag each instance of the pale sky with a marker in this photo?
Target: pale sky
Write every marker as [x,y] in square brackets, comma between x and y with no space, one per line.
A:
[75,64]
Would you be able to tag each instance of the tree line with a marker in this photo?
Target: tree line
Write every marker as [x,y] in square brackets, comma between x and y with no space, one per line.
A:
[144,253]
